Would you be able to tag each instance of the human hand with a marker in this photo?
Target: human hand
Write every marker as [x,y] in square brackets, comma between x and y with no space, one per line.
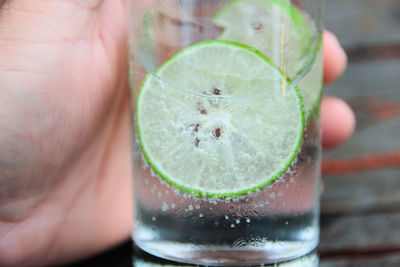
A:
[65,167]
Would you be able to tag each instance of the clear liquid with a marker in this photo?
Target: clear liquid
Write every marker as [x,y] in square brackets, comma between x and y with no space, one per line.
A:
[276,224]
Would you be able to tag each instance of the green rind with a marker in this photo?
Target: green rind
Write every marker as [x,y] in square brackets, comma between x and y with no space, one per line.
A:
[199,193]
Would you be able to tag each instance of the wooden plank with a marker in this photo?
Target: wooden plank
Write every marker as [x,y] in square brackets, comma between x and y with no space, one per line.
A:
[390,260]
[360,234]
[371,139]
[366,192]
[378,78]
[363,21]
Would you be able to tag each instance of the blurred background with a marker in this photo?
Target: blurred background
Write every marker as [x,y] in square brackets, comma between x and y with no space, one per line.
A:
[361,202]
[360,212]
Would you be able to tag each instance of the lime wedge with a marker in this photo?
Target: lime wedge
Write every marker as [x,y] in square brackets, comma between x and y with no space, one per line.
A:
[282,33]
[212,120]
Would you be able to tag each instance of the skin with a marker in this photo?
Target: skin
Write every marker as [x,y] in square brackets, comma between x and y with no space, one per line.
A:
[65,170]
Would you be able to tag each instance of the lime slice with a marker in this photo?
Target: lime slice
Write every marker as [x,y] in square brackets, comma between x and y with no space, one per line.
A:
[212,120]
[279,31]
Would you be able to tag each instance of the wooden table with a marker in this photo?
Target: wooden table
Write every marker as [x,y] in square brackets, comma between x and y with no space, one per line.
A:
[360,220]
[360,215]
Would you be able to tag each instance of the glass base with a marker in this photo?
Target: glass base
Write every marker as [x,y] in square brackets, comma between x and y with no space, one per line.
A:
[267,253]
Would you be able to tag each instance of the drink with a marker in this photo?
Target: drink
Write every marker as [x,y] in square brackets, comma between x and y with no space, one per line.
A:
[226,146]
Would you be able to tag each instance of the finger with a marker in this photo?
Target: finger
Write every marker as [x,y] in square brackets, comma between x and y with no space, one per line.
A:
[335,59]
[337,121]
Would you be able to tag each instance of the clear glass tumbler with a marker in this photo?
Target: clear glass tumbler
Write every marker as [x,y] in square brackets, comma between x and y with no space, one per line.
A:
[225,128]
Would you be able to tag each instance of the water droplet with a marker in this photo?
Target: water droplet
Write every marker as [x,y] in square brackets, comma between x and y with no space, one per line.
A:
[232,225]
[152,173]
[237,221]
[165,206]
[145,165]
[153,218]
[201,215]
[248,220]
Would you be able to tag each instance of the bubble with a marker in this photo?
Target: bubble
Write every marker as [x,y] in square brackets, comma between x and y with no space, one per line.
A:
[165,206]
[152,173]
[201,215]
[226,217]
[232,225]
[237,221]
[248,220]
[258,205]
[145,165]
[153,218]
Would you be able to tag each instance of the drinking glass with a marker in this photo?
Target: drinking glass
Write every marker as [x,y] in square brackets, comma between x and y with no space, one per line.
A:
[225,99]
